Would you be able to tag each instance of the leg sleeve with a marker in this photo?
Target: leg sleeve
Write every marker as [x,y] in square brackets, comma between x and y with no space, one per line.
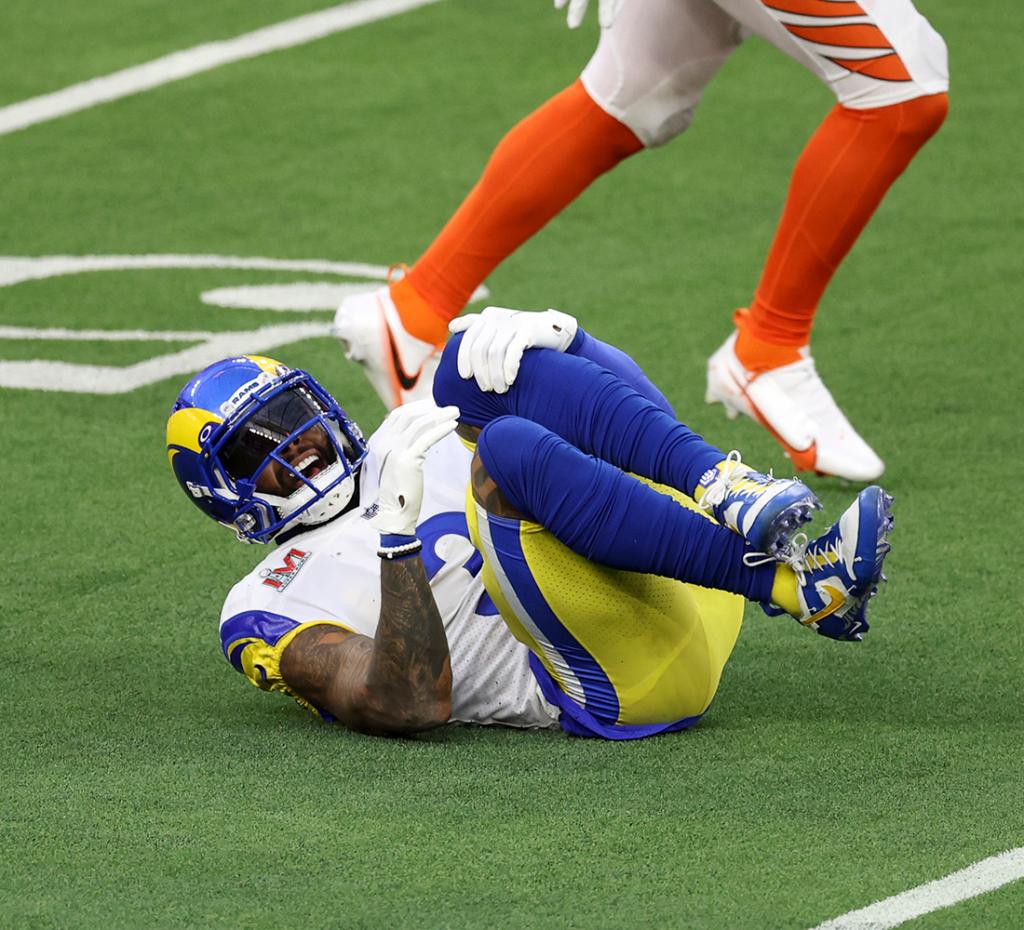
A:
[619,363]
[589,407]
[541,165]
[612,518]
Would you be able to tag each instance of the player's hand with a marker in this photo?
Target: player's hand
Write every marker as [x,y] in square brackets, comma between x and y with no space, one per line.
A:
[495,340]
[606,12]
[405,436]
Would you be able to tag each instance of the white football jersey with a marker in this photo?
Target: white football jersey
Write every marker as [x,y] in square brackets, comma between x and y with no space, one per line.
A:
[332,573]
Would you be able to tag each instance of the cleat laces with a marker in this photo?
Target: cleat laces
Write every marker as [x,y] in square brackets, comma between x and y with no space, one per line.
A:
[719,488]
[806,557]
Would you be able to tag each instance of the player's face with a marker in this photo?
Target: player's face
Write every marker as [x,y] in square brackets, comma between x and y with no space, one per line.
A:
[262,435]
[309,453]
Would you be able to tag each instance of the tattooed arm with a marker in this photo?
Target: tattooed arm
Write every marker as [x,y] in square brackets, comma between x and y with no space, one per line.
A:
[400,681]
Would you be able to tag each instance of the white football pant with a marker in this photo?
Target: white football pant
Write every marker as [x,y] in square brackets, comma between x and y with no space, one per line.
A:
[651,66]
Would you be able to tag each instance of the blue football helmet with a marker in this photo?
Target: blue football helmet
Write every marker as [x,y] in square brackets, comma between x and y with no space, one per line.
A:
[263,448]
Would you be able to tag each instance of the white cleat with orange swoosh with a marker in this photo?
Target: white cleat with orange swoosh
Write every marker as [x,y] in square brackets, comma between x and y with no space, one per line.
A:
[794,405]
[399,366]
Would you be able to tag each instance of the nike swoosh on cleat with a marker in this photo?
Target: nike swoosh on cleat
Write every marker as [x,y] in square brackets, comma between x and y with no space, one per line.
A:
[407,381]
[837,601]
[803,459]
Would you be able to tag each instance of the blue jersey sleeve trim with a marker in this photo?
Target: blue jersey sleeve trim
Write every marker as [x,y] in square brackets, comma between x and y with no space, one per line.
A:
[252,624]
[254,641]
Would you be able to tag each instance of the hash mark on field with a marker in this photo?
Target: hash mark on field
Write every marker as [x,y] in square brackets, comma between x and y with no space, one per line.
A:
[975,880]
[199,58]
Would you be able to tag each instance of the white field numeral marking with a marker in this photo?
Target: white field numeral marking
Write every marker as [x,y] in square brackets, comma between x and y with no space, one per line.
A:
[212,345]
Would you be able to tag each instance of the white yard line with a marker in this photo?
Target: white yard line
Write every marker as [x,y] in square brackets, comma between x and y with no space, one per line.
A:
[56,333]
[199,58]
[975,880]
[14,269]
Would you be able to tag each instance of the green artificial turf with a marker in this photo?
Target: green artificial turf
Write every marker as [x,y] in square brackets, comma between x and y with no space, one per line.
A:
[145,784]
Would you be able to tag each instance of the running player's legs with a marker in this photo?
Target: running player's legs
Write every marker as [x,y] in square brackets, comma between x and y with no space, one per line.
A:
[624,654]
[887,68]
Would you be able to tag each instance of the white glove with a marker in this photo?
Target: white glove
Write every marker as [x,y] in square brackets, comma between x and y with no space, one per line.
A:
[495,341]
[606,12]
[406,435]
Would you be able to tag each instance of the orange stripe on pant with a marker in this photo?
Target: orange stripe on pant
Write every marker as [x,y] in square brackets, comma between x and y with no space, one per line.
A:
[850,35]
[823,8]
[886,68]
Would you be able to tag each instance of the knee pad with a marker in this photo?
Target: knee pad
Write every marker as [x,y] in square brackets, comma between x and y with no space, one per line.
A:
[651,67]
[655,116]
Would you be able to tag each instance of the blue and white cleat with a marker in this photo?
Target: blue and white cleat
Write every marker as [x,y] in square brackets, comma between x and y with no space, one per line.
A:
[764,510]
[851,626]
[839,572]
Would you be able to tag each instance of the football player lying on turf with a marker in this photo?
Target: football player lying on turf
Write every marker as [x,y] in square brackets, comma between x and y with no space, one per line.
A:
[584,565]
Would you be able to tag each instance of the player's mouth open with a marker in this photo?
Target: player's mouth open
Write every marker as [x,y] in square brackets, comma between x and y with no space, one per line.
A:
[309,466]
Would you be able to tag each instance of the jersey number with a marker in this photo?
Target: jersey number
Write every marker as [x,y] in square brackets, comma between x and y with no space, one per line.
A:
[432,531]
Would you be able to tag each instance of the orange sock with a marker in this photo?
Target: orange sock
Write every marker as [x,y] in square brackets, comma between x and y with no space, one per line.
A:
[541,165]
[418,317]
[755,354]
[839,180]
